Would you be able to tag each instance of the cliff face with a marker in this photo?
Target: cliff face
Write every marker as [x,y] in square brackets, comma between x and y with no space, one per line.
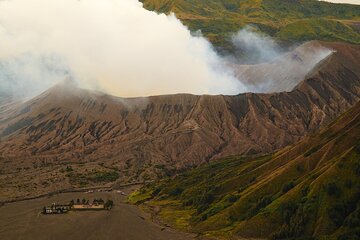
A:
[308,190]
[147,137]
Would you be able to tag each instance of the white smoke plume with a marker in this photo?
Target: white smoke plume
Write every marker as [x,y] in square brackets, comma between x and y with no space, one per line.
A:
[118,47]
[256,47]
[266,67]
[114,46]
[29,74]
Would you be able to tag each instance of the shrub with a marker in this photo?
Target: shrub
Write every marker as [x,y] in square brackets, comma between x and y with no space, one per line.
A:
[300,168]
[69,169]
[104,177]
[203,217]
[294,221]
[353,220]
[201,197]
[287,187]
[305,190]
[357,146]
[109,204]
[176,191]
[156,192]
[201,208]
[348,183]
[332,189]
[232,198]
[260,204]
[287,210]
[350,235]
[357,169]
[339,212]
[312,150]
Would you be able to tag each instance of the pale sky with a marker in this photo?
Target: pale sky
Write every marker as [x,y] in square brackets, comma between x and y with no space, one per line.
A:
[345,1]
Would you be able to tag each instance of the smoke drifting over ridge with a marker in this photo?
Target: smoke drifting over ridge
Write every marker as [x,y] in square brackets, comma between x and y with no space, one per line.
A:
[118,47]
[269,68]
[113,45]
[255,46]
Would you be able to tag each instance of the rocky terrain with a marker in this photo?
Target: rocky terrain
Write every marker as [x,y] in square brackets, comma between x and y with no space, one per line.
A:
[309,190]
[69,137]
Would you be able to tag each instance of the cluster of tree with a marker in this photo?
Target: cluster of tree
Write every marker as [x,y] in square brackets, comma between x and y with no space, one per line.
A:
[98,201]
[108,204]
[78,201]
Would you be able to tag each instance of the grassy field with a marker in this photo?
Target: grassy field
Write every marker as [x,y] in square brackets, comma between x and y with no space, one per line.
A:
[287,21]
[305,190]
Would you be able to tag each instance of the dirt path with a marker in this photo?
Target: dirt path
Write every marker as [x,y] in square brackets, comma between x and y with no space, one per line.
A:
[22,220]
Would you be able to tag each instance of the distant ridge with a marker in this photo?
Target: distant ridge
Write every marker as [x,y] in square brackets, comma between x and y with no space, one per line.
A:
[71,137]
[287,21]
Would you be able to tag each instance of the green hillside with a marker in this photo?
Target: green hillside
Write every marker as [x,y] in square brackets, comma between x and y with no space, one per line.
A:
[289,20]
[311,189]
[317,28]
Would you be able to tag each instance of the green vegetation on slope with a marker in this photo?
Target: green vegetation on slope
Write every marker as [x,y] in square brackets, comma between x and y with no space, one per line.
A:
[329,30]
[306,190]
[91,177]
[289,20]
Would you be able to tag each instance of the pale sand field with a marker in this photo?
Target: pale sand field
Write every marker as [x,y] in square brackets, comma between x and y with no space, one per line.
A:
[23,220]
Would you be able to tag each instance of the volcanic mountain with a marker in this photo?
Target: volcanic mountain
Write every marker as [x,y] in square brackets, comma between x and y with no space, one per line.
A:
[309,190]
[69,137]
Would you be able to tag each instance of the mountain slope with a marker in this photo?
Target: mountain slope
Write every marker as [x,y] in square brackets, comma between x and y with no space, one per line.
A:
[308,190]
[288,20]
[101,138]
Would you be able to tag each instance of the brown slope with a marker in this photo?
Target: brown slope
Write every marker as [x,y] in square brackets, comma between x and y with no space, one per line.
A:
[307,190]
[146,137]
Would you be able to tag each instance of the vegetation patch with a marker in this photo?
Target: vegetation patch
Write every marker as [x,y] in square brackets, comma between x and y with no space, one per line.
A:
[289,21]
[139,196]
[94,176]
[288,194]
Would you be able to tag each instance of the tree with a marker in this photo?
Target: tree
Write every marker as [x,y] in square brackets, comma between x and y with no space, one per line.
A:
[332,189]
[109,204]
[69,169]
[287,187]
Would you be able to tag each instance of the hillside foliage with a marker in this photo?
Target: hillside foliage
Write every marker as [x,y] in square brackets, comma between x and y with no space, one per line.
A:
[305,190]
[288,21]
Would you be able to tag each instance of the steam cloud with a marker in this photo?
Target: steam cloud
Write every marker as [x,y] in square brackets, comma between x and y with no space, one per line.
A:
[256,47]
[110,45]
[267,67]
[118,47]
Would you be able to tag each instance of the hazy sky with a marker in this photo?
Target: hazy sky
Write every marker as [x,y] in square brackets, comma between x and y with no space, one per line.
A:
[345,1]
